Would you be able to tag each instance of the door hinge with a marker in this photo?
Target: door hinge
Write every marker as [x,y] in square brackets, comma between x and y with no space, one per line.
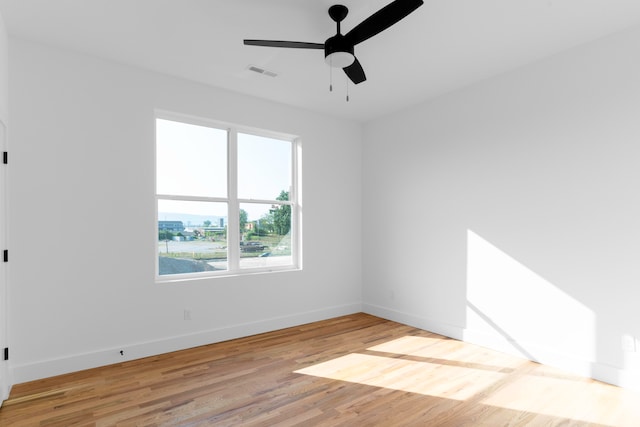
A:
[6,255]
[6,353]
[5,157]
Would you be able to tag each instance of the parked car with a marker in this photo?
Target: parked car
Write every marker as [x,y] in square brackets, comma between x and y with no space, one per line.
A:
[252,247]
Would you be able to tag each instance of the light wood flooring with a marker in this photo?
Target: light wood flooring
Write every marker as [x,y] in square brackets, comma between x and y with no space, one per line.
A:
[355,370]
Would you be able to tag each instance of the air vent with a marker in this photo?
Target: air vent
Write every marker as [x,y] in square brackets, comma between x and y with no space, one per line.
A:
[261,71]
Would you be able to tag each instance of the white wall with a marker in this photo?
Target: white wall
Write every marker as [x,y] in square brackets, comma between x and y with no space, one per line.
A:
[508,213]
[82,213]
[4,72]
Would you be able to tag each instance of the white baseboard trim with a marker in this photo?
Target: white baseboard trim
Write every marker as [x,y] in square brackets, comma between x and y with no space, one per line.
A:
[94,359]
[430,325]
[532,351]
[5,382]
[548,356]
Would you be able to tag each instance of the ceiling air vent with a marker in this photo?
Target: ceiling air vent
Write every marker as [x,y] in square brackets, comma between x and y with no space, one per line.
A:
[261,71]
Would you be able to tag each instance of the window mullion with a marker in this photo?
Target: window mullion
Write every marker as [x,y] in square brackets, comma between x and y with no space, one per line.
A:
[296,207]
[191,198]
[266,201]
[233,231]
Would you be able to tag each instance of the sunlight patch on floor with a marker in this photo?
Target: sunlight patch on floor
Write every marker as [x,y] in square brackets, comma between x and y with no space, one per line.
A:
[409,345]
[545,389]
[450,369]
[432,379]
[455,352]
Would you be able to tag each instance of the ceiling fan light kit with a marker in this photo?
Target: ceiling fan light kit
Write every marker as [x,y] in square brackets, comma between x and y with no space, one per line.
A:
[339,59]
[339,49]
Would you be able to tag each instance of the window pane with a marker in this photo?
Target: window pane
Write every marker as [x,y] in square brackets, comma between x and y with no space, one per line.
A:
[265,235]
[192,237]
[264,167]
[190,160]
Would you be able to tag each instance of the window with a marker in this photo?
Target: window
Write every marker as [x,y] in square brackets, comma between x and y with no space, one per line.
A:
[226,198]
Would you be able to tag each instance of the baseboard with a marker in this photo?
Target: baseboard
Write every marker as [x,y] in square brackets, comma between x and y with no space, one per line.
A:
[427,324]
[5,382]
[548,356]
[78,362]
[535,352]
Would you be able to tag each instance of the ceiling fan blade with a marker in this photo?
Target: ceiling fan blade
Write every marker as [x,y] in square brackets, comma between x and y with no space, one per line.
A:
[281,43]
[355,72]
[382,19]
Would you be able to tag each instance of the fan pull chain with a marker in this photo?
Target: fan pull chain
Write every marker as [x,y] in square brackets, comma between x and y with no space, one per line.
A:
[346,77]
[331,75]
[347,80]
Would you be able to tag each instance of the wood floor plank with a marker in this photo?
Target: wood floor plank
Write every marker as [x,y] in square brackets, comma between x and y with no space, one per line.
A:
[355,370]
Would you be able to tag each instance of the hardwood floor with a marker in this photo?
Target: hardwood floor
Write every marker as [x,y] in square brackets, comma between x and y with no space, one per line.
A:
[355,370]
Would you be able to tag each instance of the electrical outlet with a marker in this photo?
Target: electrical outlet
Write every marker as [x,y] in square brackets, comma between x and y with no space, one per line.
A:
[629,343]
[187,314]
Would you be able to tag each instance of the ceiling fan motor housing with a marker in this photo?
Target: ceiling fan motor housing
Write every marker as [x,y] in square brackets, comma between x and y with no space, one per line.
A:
[338,52]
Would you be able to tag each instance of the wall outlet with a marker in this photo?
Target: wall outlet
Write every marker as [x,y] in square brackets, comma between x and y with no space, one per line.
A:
[187,314]
[629,343]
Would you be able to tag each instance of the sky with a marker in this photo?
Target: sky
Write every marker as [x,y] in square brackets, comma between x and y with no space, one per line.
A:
[191,160]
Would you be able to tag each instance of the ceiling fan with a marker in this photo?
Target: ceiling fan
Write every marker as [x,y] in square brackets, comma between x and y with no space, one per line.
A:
[339,49]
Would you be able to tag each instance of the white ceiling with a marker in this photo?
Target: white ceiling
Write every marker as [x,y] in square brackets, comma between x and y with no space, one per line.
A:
[443,45]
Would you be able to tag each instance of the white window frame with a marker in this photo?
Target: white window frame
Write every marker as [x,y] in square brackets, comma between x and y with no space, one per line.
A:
[233,201]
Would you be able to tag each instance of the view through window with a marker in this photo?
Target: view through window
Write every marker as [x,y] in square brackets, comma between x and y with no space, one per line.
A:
[226,200]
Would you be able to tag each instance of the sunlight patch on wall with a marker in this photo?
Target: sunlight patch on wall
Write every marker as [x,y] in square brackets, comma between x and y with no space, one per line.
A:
[506,301]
